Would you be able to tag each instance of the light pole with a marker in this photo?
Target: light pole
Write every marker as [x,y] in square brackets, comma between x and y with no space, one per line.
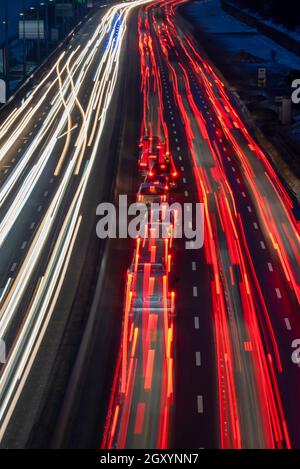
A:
[46,11]
[5,22]
[37,18]
[22,15]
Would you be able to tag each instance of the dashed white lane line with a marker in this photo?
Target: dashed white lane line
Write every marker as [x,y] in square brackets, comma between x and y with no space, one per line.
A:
[180,158]
[184,180]
[195,291]
[51,180]
[288,324]
[233,169]
[278,293]
[39,208]
[255,226]
[23,244]
[262,244]
[182,168]
[178,148]
[238,181]
[249,209]
[270,267]
[13,267]
[45,194]
[196,322]
[186,193]
[243,194]
[194,265]
[198,359]
[200,404]
[32,225]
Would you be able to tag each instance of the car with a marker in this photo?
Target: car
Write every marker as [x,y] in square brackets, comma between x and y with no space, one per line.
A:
[150,149]
[164,167]
[150,192]
[159,179]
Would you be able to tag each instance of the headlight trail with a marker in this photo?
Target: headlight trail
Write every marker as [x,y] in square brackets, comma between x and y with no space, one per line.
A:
[21,354]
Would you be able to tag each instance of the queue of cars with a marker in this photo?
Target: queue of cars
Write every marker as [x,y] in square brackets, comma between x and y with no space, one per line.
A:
[157,166]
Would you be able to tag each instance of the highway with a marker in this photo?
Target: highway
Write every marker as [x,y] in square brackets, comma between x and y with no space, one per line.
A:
[209,368]
[48,148]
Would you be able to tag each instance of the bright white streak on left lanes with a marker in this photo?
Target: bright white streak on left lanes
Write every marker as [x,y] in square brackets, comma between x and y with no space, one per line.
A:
[23,352]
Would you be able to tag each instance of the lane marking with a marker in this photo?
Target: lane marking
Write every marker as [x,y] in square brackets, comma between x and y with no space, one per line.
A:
[23,244]
[186,193]
[198,358]
[13,267]
[196,322]
[194,265]
[195,291]
[255,226]
[270,267]
[249,209]
[278,293]
[288,324]
[32,225]
[262,244]
[200,404]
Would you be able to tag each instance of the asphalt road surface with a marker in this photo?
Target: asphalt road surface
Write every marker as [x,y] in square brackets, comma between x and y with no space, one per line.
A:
[226,378]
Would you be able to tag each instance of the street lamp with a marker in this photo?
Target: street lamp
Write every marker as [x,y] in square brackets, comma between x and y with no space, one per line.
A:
[22,15]
[46,29]
[5,23]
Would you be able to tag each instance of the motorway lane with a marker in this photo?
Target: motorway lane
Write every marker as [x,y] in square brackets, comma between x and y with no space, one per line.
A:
[143,429]
[209,125]
[88,407]
[195,374]
[65,202]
